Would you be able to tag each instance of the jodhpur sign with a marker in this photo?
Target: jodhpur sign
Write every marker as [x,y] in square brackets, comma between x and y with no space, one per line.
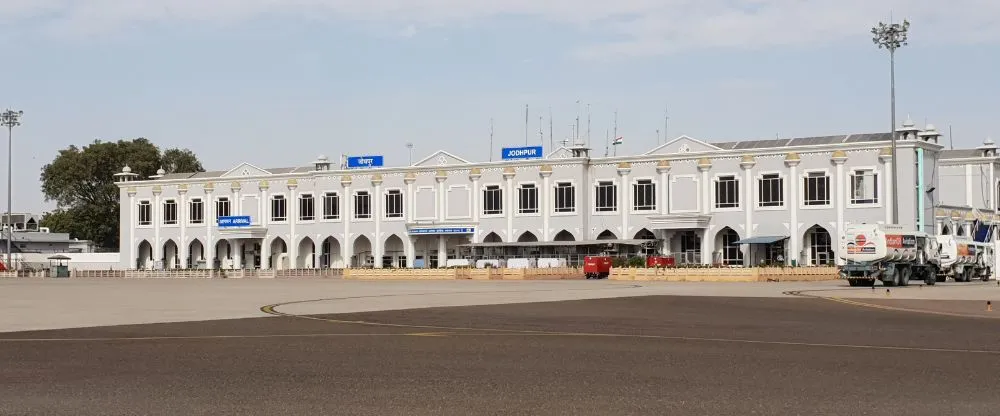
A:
[530,152]
[452,230]
[360,162]
[233,222]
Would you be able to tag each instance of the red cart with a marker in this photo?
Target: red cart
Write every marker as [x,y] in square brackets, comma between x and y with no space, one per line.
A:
[597,267]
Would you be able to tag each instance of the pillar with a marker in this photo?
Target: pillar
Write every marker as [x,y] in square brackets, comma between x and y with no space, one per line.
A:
[264,208]
[210,222]
[625,204]
[378,246]
[293,218]
[131,252]
[508,209]
[792,160]
[347,248]
[839,199]
[442,256]
[157,220]
[663,168]
[410,248]
[182,218]
[545,201]
[887,196]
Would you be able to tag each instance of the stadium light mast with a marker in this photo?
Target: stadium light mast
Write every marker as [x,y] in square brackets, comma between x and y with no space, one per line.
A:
[10,119]
[892,36]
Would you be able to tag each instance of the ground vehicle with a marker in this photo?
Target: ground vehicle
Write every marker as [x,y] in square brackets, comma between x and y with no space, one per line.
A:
[888,253]
[596,267]
[659,261]
[962,259]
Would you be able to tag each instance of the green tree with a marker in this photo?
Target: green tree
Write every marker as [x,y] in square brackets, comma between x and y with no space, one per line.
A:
[81,182]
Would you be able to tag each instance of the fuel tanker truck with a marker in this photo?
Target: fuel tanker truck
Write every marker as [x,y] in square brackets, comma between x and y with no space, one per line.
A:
[888,253]
[962,259]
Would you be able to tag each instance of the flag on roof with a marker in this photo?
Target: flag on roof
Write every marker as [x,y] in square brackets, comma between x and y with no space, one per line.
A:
[618,140]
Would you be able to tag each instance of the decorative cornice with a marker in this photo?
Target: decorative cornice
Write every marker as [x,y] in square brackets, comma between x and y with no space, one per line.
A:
[839,157]
[157,190]
[377,179]
[969,216]
[747,162]
[956,215]
[182,188]
[704,164]
[131,191]
[263,185]
[509,172]
[236,186]
[410,177]
[346,180]
[209,187]
[292,184]
[663,166]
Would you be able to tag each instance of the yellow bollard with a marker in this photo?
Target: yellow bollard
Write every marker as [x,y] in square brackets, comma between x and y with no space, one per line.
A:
[887,292]
[989,306]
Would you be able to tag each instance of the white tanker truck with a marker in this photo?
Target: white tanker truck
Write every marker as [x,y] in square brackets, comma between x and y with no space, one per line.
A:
[887,253]
[962,259]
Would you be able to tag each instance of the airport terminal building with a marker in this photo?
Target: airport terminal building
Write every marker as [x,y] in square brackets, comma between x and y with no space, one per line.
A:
[733,203]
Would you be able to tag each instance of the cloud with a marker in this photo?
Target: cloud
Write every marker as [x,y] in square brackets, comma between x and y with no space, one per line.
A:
[637,27]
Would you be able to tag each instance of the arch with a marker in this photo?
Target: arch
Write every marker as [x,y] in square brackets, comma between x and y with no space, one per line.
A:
[331,255]
[564,236]
[394,253]
[492,238]
[725,243]
[362,249]
[644,234]
[171,255]
[144,259]
[607,235]
[945,230]
[222,251]
[195,253]
[527,237]
[279,254]
[306,254]
[818,246]
[960,231]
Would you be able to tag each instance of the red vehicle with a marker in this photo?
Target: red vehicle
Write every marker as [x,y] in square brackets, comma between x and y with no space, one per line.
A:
[597,267]
[657,261]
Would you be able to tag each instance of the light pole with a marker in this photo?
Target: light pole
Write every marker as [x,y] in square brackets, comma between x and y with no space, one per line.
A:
[892,36]
[409,146]
[10,119]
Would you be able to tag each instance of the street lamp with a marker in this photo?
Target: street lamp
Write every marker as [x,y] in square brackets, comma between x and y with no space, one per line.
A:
[892,36]
[409,146]
[10,119]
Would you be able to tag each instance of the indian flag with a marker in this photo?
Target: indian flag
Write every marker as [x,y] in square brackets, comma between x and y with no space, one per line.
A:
[617,141]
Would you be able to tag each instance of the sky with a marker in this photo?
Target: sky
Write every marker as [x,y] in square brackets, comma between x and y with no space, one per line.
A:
[276,83]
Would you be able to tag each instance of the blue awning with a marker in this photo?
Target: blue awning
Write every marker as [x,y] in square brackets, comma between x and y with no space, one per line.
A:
[761,240]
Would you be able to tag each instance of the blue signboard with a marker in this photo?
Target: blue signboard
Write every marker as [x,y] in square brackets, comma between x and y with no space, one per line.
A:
[237,221]
[452,230]
[529,152]
[982,233]
[358,162]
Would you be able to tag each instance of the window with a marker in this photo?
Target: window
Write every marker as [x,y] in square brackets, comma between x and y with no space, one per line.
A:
[362,205]
[170,212]
[278,205]
[769,191]
[565,198]
[492,200]
[727,192]
[644,195]
[690,248]
[222,207]
[607,197]
[527,199]
[864,186]
[731,254]
[196,211]
[817,189]
[307,207]
[821,249]
[394,204]
[331,206]
[145,213]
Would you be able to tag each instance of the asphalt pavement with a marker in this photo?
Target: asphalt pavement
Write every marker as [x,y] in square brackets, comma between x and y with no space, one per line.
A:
[644,355]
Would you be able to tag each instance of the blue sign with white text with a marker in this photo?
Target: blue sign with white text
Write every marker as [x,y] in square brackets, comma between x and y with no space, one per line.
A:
[529,152]
[452,230]
[357,162]
[236,221]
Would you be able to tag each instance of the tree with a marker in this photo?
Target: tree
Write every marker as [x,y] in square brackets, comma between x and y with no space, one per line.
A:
[81,182]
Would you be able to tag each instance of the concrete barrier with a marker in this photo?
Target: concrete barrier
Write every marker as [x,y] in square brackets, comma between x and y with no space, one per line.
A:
[724,274]
[552,273]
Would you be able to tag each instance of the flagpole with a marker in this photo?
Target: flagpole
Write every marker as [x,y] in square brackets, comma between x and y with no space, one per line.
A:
[605,142]
[525,124]
[552,144]
[491,139]
[588,124]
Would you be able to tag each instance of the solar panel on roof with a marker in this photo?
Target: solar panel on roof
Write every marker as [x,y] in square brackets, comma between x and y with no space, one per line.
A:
[868,137]
[811,141]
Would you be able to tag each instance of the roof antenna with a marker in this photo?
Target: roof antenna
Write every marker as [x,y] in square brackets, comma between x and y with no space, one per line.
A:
[951,139]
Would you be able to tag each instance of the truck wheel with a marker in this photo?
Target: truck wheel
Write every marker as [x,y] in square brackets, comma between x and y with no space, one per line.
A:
[904,276]
[930,280]
[853,282]
[986,277]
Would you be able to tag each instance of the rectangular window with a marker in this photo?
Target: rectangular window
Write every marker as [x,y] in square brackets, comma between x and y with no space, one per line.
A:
[331,206]
[362,205]
[607,197]
[307,207]
[817,189]
[770,191]
[196,211]
[644,195]
[492,200]
[864,186]
[278,208]
[527,199]
[565,197]
[394,204]
[222,207]
[169,212]
[145,213]
[727,192]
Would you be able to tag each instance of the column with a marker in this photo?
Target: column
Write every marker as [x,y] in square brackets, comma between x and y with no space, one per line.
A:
[792,160]
[442,255]
[747,164]
[968,185]
[545,201]
[236,207]
[157,220]
[704,165]
[476,193]
[182,218]
[347,247]
[707,246]
[663,168]
[263,204]
[132,221]
[625,204]
[236,247]
[993,190]
[293,217]
[209,224]
[887,197]
[440,178]
[411,254]
[410,197]
[508,209]
[377,244]
[840,199]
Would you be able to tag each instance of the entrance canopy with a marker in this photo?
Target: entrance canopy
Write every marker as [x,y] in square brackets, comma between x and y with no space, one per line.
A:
[762,240]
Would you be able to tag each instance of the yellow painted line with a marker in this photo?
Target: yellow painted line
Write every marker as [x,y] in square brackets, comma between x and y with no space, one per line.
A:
[887,307]
[428,334]
[195,337]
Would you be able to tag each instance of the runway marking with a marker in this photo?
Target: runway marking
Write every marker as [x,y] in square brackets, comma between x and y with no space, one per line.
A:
[483,332]
[193,337]
[803,293]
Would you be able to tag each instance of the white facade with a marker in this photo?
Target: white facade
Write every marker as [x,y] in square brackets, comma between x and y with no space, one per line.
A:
[697,198]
